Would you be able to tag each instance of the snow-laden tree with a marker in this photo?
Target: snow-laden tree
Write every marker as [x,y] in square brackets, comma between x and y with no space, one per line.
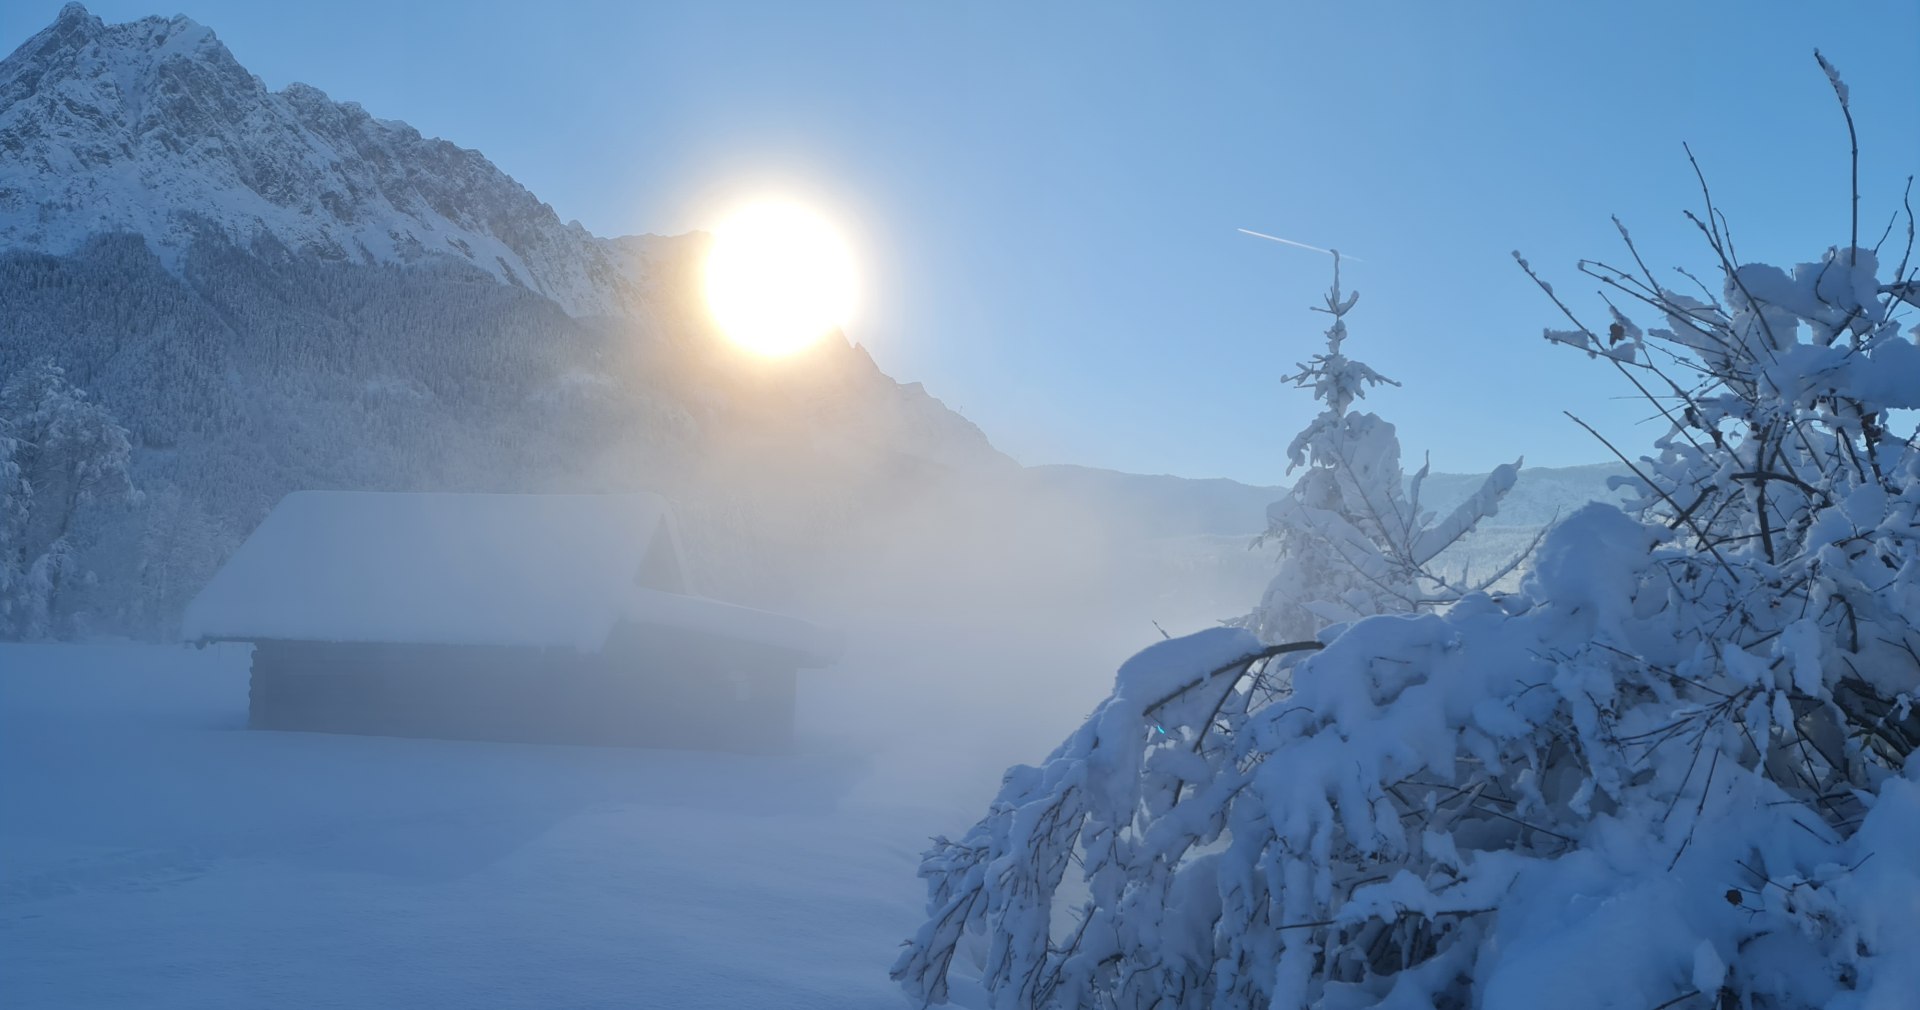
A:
[1353,538]
[15,498]
[145,565]
[1675,770]
[181,545]
[60,455]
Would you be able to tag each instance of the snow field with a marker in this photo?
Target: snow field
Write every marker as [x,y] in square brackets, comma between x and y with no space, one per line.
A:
[154,853]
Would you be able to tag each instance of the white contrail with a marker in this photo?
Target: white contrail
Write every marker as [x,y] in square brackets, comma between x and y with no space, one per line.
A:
[1297,245]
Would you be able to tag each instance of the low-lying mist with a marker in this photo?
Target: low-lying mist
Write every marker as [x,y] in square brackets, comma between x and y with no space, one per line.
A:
[986,609]
[984,612]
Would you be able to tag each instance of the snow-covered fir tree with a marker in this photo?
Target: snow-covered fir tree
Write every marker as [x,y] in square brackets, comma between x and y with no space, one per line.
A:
[148,562]
[181,546]
[61,455]
[1675,770]
[1353,539]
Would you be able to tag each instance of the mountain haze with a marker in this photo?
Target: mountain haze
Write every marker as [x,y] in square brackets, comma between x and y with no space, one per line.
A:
[274,291]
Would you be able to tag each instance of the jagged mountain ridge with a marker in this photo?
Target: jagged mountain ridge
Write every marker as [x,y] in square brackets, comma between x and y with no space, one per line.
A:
[152,127]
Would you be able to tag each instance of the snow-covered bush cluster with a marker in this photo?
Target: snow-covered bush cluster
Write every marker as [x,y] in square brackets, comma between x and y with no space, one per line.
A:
[1352,536]
[1674,770]
[61,454]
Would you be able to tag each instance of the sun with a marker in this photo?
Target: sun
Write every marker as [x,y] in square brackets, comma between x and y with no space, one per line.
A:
[779,277]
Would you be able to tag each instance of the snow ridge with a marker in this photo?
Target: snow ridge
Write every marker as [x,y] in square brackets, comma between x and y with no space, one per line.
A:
[153,127]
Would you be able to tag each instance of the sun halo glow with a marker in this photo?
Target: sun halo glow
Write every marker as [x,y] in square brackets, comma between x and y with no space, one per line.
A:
[779,277]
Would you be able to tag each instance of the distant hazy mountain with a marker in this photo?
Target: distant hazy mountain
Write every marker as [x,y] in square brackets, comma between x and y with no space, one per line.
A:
[1191,543]
[1162,505]
[1166,506]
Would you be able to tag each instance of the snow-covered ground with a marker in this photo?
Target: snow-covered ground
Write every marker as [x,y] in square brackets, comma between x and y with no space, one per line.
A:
[155,853]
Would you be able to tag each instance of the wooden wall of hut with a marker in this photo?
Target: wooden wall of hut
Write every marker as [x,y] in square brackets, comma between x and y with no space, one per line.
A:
[642,691]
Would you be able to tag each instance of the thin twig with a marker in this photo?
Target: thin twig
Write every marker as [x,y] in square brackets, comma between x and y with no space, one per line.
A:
[1648,481]
[1853,139]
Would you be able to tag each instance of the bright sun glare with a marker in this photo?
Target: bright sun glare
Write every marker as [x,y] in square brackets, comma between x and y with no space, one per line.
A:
[779,277]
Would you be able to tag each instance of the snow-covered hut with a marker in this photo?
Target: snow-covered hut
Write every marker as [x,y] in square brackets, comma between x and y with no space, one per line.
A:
[541,618]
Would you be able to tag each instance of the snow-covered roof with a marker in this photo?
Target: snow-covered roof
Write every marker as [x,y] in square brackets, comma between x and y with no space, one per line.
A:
[467,569]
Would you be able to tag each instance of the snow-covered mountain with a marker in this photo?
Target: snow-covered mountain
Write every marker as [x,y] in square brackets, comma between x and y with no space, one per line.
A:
[152,127]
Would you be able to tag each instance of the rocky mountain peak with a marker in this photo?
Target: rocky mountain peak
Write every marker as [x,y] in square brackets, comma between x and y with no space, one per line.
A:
[153,127]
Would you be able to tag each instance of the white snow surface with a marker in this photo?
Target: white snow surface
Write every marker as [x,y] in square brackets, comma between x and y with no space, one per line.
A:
[555,571]
[155,854]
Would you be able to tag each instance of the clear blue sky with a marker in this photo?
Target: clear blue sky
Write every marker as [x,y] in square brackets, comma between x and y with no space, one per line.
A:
[1045,196]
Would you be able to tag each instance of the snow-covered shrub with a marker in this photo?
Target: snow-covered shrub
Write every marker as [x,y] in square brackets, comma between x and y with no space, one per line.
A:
[60,454]
[1673,771]
[1353,539]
